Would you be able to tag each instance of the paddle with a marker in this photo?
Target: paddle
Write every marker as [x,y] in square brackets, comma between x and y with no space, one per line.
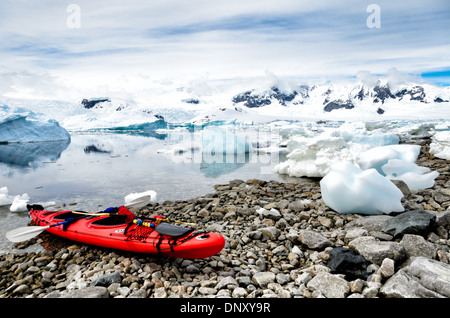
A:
[28,232]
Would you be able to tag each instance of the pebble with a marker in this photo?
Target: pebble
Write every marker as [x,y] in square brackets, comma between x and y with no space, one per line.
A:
[279,238]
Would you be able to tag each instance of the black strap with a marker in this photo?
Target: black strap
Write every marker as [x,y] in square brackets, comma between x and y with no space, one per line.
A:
[69,222]
[127,228]
[161,238]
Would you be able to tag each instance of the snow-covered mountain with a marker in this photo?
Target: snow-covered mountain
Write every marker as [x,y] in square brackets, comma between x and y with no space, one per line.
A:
[345,96]
[246,101]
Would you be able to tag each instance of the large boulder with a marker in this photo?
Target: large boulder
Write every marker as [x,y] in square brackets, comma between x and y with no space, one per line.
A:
[421,278]
[411,222]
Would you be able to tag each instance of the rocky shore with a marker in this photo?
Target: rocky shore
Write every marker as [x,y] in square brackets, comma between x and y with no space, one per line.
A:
[282,241]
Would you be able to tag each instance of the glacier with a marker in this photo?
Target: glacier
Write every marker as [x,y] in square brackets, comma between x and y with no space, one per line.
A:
[19,125]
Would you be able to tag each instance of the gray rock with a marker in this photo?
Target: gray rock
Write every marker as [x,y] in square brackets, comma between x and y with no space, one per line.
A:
[369,223]
[239,292]
[443,219]
[331,286]
[273,214]
[263,278]
[22,289]
[296,206]
[89,292]
[355,233]
[421,278]
[107,280]
[402,186]
[138,293]
[271,232]
[411,222]
[53,294]
[226,281]
[387,268]
[313,240]
[376,251]
[416,245]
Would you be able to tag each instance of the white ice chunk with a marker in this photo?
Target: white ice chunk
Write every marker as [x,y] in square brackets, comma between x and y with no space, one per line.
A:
[440,145]
[415,177]
[132,196]
[379,156]
[374,140]
[348,189]
[5,198]
[312,157]
[19,203]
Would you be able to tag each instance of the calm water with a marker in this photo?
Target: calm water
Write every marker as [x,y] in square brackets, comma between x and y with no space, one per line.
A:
[98,170]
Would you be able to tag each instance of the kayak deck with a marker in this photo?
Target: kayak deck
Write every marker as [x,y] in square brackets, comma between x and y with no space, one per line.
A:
[162,239]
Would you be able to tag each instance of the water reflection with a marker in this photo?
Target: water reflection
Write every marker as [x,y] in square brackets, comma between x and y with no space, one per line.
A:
[31,154]
[101,168]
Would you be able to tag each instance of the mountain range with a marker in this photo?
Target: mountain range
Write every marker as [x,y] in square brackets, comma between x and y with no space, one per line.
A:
[345,96]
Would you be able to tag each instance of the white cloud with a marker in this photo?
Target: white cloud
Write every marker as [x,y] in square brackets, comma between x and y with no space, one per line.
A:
[188,39]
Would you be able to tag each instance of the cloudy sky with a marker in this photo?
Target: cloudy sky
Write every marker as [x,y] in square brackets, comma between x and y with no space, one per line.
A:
[96,42]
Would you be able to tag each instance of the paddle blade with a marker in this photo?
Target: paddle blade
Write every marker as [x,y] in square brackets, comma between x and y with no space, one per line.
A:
[25,233]
[138,203]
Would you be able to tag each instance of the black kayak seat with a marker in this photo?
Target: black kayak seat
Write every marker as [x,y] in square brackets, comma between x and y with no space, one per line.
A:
[172,230]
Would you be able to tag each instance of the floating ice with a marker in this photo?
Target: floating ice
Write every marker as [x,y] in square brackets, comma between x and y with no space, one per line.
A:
[312,156]
[379,156]
[348,189]
[218,141]
[440,145]
[415,177]
[132,196]
[5,198]
[18,125]
[19,203]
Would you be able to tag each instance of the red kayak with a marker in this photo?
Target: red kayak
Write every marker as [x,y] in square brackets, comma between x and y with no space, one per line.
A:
[141,235]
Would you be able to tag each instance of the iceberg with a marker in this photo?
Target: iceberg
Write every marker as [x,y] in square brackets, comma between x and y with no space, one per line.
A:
[440,145]
[217,140]
[379,156]
[348,189]
[312,156]
[18,125]
[415,177]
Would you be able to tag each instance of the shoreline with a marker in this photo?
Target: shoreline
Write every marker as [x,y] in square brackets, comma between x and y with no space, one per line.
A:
[286,250]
